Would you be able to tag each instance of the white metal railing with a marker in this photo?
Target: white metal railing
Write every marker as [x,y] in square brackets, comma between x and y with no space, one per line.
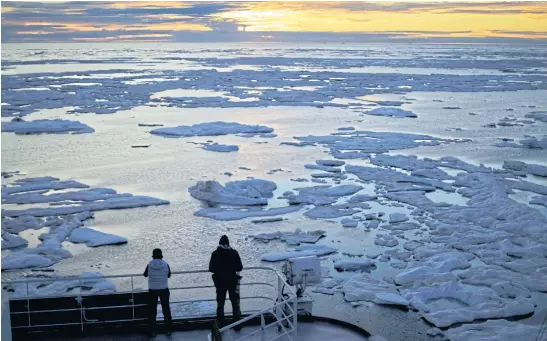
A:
[284,311]
[280,301]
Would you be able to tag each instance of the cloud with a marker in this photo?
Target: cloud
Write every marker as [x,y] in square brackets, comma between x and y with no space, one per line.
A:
[220,21]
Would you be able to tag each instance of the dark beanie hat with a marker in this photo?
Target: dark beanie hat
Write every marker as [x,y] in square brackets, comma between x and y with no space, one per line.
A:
[224,240]
[157,254]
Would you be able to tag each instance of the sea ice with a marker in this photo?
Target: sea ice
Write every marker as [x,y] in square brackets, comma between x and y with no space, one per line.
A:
[360,143]
[88,282]
[330,163]
[538,116]
[349,223]
[397,218]
[223,148]
[363,288]
[386,240]
[46,127]
[292,238]
[436,267]
[243,192]
[392,112]
[533,169]
[323,168]
[211,129]
[300,251]
[354,265]
[539,200]
[108,204]
[448,303]
[332,211]
[34,258]
[10,241]
[236,214]
[94,238]
[494,330]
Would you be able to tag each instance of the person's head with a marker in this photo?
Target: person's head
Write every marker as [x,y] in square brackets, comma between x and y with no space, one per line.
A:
[224,241]
[157,254]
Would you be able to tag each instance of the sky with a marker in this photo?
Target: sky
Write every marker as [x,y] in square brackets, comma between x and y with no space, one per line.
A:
[204,21]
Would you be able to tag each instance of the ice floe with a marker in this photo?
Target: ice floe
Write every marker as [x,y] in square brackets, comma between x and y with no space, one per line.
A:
[94,238]
[300,251]
[222,148]
[335,211]
[65,212]
[397,218]
[354,265]
[236,214]
[242,192]
[211,129]
[364,288]
[538,115]
[386,240]
[391,112]
[292,238]
[520,166]
[56,126]
[10,241]
[539,200]
[495,330]
[449,303]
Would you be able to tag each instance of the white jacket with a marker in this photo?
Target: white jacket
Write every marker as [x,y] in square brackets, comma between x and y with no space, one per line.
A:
[158,272]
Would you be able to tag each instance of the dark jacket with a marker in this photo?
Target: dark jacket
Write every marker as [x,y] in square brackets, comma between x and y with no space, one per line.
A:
[224,264]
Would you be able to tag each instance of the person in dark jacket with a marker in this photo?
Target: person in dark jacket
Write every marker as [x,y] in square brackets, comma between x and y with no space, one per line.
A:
[158,271]
[225,265]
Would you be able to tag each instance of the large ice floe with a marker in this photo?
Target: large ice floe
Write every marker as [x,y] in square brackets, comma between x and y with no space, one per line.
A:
[56,126]
[526,168]
[495,330]
[94,238]
[65,212]
[243,192]
[364,288]
[211,129]
[358,143]
[445,304]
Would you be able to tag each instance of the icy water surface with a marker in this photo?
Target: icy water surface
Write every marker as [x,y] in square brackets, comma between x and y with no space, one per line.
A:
[457,92]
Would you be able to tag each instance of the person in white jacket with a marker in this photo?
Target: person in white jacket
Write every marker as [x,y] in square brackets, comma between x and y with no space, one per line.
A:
[158,271]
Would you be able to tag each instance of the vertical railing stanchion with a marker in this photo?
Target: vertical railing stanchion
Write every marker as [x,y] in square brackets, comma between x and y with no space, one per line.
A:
[28,306]
[81,302]
[133,297]
[263,326]
[295,314]
[278,315]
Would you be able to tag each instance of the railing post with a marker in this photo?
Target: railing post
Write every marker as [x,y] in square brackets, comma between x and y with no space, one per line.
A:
[28,306]
[133,297]
[278,315]
[81,302]
[263,326]
[295,314]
